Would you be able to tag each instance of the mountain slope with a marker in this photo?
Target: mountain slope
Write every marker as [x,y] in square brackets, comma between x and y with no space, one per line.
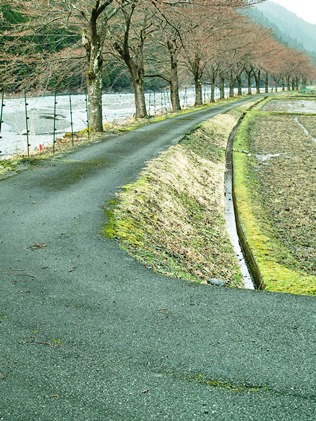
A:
[286,26]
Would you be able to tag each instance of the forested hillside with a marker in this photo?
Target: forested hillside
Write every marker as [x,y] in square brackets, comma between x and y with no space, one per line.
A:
[287,26]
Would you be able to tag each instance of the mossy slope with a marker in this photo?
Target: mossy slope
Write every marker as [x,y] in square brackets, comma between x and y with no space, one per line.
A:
[274,188]
[173,219]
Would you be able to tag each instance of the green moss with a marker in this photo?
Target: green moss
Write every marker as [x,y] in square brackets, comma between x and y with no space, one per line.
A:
[124,226]
[56,342]
[72,172]
[170,221]
[232,387]
[109,229]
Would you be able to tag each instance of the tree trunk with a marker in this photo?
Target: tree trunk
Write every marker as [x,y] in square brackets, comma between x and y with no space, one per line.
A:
[134,64]
[283,84]
[257,80]
[174,95]
[231,86]
[197,75]
[249,82]
[266,83]
[94,85]
[288,83]
[222,87]
[213,79]
[137,74]
[198,89]
[174,90]
[239,83]
[174,79]
[92,44]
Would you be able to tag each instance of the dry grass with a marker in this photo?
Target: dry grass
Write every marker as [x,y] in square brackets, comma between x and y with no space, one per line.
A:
[288,184]
[173,218]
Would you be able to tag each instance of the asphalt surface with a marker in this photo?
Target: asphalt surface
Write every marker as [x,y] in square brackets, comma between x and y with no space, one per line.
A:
[87,333]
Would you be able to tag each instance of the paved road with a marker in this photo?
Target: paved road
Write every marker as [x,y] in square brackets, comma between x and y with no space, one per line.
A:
[86,333]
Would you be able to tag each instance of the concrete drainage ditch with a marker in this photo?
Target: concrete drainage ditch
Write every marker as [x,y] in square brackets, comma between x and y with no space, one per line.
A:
[248,265]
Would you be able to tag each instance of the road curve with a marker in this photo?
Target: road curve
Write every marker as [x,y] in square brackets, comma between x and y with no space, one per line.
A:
[87,333]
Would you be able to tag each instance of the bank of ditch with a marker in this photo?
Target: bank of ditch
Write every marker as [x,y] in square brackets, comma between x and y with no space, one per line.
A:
[275,178]
[173,218]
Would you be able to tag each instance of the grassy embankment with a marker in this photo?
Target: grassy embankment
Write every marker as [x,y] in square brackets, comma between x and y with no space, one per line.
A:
[275,194]
[173,219]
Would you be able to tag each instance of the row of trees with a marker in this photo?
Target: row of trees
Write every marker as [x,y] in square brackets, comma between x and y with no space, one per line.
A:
[204,41]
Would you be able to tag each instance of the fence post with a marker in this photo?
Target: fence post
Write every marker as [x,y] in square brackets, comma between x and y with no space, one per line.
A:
[149,103]
[155,106]
[54,128]
[27,125]
[71,121]
[87,111]
[1,112]
[185,98]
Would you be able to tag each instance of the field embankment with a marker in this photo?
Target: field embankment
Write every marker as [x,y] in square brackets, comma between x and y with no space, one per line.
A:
[173,218]
[275,179]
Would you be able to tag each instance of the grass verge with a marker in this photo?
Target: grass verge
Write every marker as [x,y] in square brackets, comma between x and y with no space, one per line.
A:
[173,218]
[274,174]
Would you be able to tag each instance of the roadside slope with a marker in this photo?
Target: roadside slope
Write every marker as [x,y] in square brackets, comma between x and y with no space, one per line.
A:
[173,218]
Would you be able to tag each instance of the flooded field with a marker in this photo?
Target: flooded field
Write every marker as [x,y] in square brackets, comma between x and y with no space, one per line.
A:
[291,106]
[288,180]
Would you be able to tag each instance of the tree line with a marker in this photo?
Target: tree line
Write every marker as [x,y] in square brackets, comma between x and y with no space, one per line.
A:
[48,43]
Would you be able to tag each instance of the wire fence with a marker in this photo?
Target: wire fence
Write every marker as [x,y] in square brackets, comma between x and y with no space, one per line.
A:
[29,123]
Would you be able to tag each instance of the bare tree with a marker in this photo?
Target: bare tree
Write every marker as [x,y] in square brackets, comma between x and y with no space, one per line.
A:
[172,22]
[50,42]
[128,36]
[214,23]
[85,20]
